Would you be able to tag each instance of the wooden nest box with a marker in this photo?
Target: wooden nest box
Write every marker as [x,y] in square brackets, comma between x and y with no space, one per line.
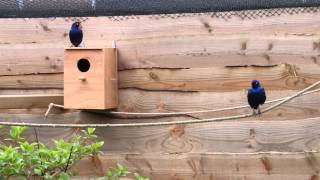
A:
[90,78]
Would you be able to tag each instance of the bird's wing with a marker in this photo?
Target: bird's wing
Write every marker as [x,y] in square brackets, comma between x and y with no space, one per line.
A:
[251,98]
[263,96]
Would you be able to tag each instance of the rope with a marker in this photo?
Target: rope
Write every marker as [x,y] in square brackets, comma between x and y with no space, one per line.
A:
[192,121]
[51,105]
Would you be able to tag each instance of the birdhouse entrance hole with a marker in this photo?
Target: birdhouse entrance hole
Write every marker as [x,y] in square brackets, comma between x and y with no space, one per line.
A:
[83,65]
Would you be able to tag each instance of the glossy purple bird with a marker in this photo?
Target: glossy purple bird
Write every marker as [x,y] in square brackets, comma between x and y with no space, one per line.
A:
[76,34]
[256,96]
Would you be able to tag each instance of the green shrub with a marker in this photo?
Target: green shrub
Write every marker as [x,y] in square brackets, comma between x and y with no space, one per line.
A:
[24,160]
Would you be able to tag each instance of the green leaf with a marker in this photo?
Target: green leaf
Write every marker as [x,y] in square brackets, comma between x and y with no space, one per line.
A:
[63,176]
[38,172]
[16,131]
[91,130]
[138,177]
[96,146]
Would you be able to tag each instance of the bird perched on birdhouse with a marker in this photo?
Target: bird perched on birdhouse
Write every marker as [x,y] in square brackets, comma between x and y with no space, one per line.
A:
[256,96]
[75,34]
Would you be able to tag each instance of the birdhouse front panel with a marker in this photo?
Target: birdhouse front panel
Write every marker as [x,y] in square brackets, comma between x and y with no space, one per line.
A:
[90,78]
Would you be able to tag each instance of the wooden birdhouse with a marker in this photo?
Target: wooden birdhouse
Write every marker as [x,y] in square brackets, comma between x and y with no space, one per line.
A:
[90,78]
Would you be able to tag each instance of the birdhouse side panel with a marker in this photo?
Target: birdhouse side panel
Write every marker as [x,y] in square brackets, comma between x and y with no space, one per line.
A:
[84,90]
[111,78]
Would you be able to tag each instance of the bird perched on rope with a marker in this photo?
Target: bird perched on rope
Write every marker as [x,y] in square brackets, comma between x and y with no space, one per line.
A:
[256,96]
[76,34]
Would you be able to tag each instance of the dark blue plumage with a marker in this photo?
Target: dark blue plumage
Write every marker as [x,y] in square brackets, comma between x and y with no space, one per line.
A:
[256,95]
[75,34]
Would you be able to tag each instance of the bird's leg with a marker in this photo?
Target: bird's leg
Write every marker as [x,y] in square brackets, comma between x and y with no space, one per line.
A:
[81,44]
[254,112]
[259,111]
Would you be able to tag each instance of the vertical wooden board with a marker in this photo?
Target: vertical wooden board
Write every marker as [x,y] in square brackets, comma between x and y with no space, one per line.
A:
[111,78]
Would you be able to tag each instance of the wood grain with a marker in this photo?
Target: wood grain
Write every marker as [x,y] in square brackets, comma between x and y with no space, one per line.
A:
[31,58]
[133,100]
[30,91]
[145,101]
[214,79]
[217,50]
[32,81]
[243,136]
[220,79]
[179,62]
[211,166]
[29,101]
[132,27]
[233,136]
[171,41]
[173,52]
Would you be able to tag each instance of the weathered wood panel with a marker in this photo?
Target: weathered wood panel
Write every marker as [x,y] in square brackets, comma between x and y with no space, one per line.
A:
[29,101]
[217,79]
[32,81]
[133,100]
[220,79]
[173,52]
[232,136]
[256,135]
[295,166]
[30,91]
[186,40]
[214,50]
[132,27]
[32,62]
[145,101]
[19,59]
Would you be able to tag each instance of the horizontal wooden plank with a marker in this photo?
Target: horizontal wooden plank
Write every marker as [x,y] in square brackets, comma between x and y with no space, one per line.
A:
[29,101]
[215,79]
[175,41]
[145,101]
[173,52]
[233,136]
[220,79]
[54,29]
[213,50]
[243,136]
[32,81]
[31,59]
[293,166]
[30,91]
[133,100]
